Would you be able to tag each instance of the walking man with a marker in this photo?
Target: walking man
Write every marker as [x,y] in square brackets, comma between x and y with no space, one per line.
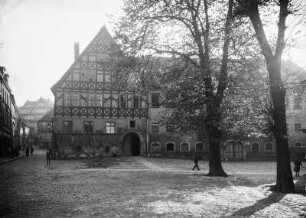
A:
[48,155]
[196,160]
[297,166]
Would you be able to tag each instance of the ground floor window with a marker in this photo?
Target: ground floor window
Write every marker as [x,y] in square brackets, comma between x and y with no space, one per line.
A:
[199,146]
[155,146]
[170,146]
[110,127]
[106,149]
[255,147]
[184,146]
[269,147]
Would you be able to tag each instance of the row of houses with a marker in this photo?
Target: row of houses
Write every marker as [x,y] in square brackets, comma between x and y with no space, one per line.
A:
[94,114]
[9,135]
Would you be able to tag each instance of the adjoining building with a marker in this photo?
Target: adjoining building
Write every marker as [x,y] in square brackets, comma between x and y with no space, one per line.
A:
[96,114]
[31,112]
[45,128]
[8,118]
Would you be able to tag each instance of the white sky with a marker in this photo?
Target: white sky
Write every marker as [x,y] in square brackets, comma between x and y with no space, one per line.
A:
[39,38]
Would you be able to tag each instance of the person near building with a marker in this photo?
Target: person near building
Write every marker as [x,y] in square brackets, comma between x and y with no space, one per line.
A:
[48,156]
[297,166]
[196,161]
[27,151]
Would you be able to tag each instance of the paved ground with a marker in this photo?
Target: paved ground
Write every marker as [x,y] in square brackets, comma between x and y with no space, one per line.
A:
[136,186]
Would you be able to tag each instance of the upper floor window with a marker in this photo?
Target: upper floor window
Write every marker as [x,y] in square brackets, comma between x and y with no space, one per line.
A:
[76,77]
[76,100]
[123,101]
[67,100]
[135,101]
[88,126]
[155,100]
[170,127]
[297,102]
[110,127]
[99,100]
[67,126]
[155,127]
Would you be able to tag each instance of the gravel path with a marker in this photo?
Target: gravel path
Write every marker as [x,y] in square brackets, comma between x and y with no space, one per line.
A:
[141,187]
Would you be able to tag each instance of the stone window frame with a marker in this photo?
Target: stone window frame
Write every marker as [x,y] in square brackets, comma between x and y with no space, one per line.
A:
[188,143]
[159,144]
[266,149]
[199,142]
[174,147]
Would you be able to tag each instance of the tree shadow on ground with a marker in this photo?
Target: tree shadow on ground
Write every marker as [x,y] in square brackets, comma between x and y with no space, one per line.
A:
[259,205]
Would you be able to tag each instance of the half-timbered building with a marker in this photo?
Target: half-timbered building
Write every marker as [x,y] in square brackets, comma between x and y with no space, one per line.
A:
[93,111]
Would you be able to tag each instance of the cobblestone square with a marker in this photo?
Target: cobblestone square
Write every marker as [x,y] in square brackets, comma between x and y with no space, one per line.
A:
[138,186]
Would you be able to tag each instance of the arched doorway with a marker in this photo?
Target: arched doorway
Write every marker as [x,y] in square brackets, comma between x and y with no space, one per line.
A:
[131,144]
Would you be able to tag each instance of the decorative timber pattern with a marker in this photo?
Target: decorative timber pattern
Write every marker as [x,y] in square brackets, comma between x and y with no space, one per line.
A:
[99,112]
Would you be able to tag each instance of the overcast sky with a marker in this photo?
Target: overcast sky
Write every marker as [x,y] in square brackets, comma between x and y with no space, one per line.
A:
[39,36]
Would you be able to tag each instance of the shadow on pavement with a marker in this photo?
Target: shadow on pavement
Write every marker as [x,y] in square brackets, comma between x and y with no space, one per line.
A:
[259,205]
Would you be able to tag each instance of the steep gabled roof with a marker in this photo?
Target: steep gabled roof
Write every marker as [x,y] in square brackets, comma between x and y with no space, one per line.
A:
[98,44]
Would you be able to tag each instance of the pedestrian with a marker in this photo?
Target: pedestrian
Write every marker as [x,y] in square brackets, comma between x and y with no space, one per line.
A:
[48,155]
[27,151]
[297,166]
[32,150]
[196,160]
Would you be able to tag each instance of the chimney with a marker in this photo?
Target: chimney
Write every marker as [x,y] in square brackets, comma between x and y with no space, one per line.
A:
[76,50]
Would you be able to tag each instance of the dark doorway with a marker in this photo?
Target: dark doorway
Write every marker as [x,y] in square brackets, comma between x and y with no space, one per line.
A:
[131,144]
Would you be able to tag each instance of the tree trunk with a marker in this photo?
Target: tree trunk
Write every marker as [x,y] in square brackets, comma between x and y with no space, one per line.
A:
[284,181]
[214,138]
[215,165]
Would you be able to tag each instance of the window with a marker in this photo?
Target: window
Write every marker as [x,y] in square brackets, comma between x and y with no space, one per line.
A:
[297,102]
[132,123]
[199,146]
[99,77]
[135,101]
[297,127]
[76,77]
[91,99]
[107,78]
[170,146]
[122,101]
[255,147]
[67,99]
[83,99]
[298,144]
[110,127]
[67,126]
[155,146]
[88,126]
[155,127]
[170,127]
[269,147]
[155,100]
[99,100]
[76,100]
[106,149]
[184,147]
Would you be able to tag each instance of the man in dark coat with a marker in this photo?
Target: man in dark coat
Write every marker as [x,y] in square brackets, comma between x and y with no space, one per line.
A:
[297,166]
[196,160]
